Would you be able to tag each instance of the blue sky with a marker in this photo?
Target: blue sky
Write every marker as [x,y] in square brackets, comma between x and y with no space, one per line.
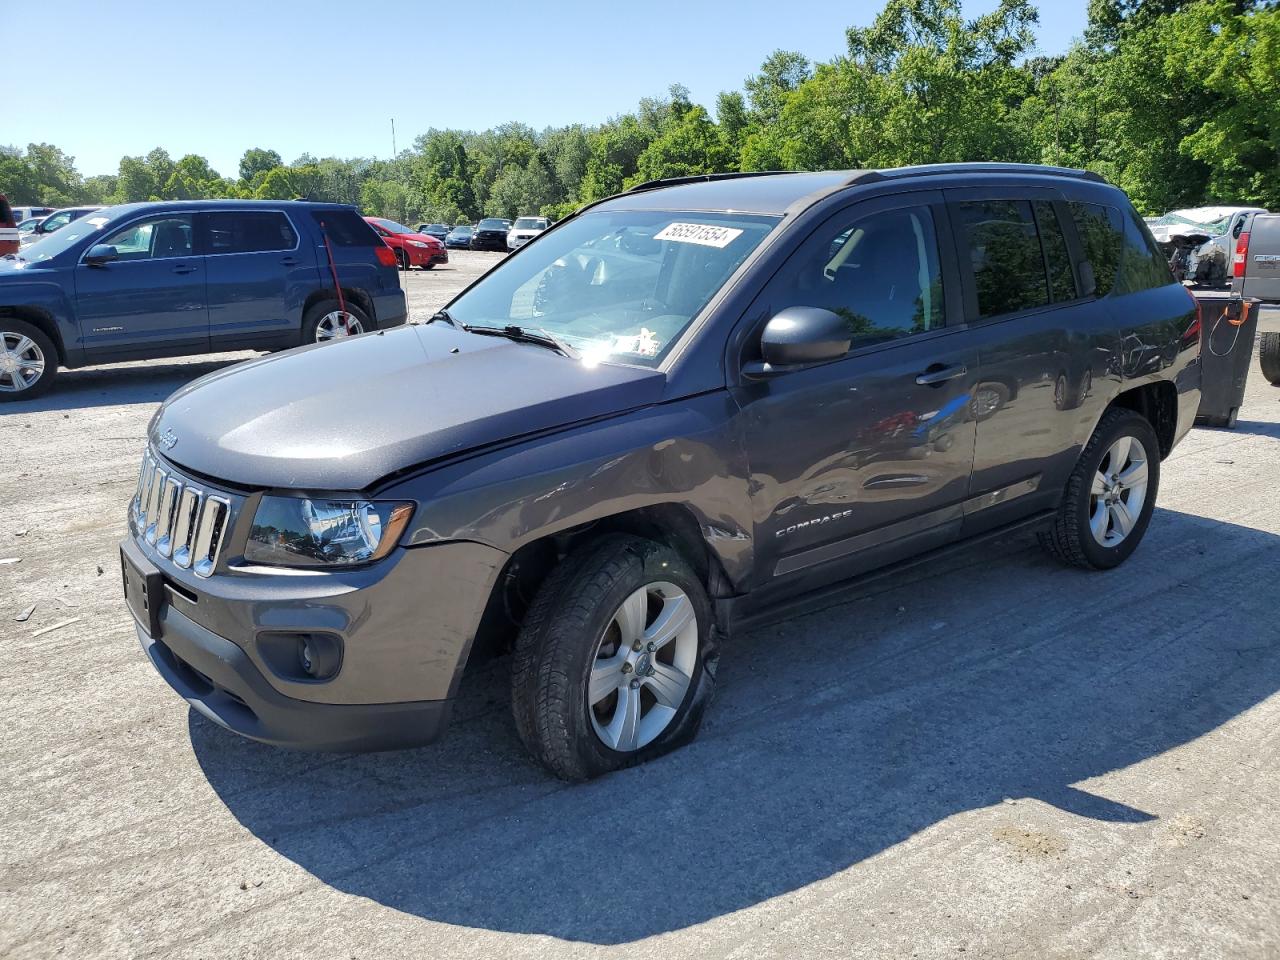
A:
[326,76]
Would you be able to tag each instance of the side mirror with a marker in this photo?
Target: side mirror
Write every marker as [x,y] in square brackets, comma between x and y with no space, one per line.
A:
[1087,279]
[100,254]
[800,336]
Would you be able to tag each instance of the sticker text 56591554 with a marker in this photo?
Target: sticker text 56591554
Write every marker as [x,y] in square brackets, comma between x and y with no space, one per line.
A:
[704,234]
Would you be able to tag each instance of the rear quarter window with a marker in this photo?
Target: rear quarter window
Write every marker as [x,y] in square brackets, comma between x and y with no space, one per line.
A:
[345,228]
[1142,265]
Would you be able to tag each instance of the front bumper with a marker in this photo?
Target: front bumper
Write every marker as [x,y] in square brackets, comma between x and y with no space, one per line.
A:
[405,626]
[222,684]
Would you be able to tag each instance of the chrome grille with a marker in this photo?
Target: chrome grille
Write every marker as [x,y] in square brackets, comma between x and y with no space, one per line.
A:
[178,518]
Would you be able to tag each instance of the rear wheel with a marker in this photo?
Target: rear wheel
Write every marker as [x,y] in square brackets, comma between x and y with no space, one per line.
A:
[615,663]
[1269,354]
[325,321]
[1110,495]
[28,360]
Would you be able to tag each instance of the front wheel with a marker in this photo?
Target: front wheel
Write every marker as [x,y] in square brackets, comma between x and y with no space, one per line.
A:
[1110,495]
[615,663]
[28,360]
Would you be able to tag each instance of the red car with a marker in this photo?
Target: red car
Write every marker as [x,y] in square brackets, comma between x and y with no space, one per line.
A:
[412,249]
[8,229]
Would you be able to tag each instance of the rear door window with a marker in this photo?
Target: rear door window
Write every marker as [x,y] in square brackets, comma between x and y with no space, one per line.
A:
[242,231]
[1102,235]
[1062,281]
[1004,255]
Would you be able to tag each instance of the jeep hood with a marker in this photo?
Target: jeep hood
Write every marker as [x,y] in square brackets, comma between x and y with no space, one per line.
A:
[340,416]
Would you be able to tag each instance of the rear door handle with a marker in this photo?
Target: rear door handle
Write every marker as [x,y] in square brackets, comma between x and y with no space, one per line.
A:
[184,268]
[937,374]
[289,261]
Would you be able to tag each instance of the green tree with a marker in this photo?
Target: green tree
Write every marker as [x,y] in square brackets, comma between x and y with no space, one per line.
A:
[781,74]
[690,145]
[257,160]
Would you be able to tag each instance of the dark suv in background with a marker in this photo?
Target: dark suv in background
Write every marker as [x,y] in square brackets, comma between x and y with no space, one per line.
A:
[680,411]
[490,234]
[148,280]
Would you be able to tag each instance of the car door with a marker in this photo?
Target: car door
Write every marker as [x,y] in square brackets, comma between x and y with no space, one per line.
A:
[150,300]
[866,459]
[1043,346]
[258,278]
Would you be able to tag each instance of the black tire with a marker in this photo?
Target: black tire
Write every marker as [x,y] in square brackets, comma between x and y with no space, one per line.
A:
[14,328]
[1069,538]
[318,311]
[1269,357]
[558,643]
[403,259]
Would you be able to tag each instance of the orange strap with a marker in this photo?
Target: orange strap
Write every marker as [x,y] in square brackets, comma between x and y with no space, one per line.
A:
[1244,314]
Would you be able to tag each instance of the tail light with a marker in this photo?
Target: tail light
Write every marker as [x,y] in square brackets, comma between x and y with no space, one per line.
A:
[386,256]
[1242,254]
[1192,333]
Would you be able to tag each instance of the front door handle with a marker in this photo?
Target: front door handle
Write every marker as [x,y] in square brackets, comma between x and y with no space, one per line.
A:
[937,374]
[184,268]
[289,261]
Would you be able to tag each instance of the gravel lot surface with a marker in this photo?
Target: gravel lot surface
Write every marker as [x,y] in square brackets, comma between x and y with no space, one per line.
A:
[990,757]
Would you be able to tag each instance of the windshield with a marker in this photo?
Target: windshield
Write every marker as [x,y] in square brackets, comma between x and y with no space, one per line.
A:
[392,227]
[1213,228]
[460,230]
[52,244]
[493,225]
[618,285]
[530,223]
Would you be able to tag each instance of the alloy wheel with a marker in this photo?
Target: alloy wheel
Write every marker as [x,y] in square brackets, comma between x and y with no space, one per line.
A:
[1118,491]
[21,362]
[643,666]
[331,326]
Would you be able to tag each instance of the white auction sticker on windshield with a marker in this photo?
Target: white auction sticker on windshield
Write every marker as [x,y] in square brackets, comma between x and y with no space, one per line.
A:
[705,234]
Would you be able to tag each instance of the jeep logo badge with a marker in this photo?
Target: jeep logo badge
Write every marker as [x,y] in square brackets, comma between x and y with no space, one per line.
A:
[168,439]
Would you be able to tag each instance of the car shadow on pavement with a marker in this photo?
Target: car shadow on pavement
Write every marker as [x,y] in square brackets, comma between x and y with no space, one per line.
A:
[993,674]
[111,386]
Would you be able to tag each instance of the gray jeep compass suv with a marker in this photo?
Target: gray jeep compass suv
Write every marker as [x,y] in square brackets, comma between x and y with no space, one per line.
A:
[682,410]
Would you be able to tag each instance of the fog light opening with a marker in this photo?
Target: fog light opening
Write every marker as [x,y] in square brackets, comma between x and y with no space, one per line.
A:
[319,655]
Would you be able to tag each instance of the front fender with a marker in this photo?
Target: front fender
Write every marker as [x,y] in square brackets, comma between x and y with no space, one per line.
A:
[48,297]
[687,452]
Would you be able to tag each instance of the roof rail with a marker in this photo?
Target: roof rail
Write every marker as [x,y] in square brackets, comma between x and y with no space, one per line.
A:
[932,169]
[701,178]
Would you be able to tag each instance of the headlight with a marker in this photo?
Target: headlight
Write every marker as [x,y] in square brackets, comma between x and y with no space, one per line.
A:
[295,532]
[417,243]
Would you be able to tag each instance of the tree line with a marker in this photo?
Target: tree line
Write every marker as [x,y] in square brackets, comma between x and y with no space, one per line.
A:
[1176,101]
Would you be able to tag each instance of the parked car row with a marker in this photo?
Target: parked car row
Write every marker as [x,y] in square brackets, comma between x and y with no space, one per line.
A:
[491,233]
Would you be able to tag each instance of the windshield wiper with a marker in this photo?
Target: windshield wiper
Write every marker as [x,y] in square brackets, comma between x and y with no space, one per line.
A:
[535,335]
[444,314]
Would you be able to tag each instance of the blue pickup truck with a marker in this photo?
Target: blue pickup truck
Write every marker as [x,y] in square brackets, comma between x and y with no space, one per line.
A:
[147,280]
